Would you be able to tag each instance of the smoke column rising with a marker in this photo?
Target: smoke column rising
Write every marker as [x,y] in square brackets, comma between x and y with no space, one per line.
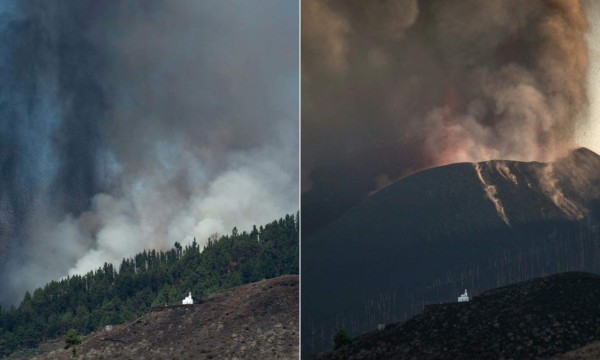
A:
[134,125]
[408,84]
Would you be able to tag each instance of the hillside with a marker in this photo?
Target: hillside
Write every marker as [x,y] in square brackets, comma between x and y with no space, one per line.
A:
[539,318]
[254,321]
[105,296]
[426,237]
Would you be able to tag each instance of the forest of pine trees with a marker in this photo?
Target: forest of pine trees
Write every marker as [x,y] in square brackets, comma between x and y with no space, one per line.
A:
[152,278]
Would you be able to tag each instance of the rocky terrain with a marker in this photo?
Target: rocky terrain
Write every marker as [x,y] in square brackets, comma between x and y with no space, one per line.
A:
[255,321]
[537,319]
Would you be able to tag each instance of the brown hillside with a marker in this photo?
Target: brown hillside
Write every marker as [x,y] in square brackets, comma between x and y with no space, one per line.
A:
[254,321]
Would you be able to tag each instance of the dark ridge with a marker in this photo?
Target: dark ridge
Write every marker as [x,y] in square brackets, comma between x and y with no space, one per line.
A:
[584,152]
[536,319]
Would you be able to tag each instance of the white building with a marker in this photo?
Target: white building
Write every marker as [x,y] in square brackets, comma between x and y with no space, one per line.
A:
[464,297]
[188,300]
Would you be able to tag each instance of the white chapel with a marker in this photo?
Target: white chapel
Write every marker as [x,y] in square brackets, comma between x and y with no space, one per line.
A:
[188,300]
[464,297]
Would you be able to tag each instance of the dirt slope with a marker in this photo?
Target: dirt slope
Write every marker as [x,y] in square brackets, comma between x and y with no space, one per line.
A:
[588,352]
[255,321]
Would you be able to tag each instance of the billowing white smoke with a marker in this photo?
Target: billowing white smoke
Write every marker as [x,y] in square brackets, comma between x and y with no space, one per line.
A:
[153,214]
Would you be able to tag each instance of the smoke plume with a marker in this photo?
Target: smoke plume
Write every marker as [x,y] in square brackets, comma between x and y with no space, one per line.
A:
[391,87]
[133,125]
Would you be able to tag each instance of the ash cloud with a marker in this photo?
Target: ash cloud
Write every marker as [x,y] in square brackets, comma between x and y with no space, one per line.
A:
[133,125]
[406,85]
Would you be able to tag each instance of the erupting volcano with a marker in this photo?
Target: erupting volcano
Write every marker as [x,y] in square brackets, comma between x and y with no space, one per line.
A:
[426,237]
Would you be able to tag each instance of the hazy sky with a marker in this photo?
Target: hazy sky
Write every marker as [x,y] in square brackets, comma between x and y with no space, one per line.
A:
[588,131]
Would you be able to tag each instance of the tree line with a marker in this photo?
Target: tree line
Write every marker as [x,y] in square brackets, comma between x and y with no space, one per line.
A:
[152,278]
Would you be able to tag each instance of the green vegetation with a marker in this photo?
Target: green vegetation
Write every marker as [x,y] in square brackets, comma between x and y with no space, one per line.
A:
[340,339]
[71,339]
[152,278]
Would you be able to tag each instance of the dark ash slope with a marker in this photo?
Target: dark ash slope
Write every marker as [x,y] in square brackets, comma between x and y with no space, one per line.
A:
[428,236]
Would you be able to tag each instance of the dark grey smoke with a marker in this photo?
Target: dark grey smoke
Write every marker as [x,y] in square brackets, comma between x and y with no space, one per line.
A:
[131,125]
[407,84]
